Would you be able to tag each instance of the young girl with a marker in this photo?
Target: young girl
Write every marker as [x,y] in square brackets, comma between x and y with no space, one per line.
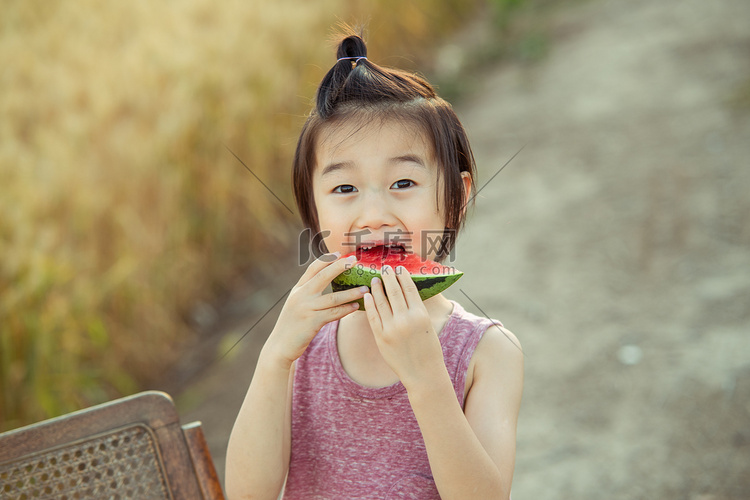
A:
[406,399]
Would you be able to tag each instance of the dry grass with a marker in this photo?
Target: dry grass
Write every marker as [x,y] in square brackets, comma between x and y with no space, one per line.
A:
[121,208]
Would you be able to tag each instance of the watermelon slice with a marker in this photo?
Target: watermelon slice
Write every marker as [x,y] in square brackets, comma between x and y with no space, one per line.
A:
[430,277]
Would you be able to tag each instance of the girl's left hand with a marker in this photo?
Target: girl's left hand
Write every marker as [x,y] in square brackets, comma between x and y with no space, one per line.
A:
[402,327]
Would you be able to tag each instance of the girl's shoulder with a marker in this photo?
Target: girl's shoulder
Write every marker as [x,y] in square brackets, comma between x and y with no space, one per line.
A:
[498,352]
[497,363]
[485,326]
[481,326]
[499,343]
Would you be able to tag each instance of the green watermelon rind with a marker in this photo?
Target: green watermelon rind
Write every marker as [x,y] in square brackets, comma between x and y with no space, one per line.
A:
[428,285]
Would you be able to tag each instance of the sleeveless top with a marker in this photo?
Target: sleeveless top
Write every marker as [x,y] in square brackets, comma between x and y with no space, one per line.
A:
[351,441]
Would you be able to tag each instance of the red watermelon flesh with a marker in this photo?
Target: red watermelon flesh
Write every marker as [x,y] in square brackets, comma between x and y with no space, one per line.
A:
[430,277]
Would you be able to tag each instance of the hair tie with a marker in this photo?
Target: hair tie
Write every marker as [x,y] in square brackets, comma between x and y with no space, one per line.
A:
[356,59]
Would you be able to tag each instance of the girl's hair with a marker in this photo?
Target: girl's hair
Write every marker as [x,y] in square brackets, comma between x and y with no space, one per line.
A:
[357,89]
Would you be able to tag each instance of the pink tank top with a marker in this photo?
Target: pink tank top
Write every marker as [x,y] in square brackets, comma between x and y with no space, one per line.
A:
[351,441]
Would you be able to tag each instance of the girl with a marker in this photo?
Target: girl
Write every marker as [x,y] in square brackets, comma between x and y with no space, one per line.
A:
[407,399]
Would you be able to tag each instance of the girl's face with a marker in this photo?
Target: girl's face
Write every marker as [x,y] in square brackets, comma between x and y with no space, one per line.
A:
[377,184]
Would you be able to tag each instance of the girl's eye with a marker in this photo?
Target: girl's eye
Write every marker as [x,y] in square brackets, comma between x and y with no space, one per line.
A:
[344,189]
[403,183]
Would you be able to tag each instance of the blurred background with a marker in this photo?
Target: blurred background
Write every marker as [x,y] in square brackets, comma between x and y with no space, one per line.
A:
[138,252]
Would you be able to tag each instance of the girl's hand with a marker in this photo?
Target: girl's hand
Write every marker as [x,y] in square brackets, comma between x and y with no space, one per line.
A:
[402,327]
[307,309]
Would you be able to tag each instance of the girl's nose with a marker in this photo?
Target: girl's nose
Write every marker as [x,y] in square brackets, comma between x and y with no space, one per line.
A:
[374,212]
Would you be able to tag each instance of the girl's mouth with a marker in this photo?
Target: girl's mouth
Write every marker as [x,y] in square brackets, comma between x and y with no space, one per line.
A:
[372,250]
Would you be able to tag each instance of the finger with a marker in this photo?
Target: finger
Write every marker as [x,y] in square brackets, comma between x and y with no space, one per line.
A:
[325,275]
[393,289]
[338,312]
[373,317]
[318,265]
[337,298]
[411,294]
[379,298]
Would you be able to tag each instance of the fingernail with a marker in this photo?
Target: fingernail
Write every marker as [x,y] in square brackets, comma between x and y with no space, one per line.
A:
[375,281]
[364,289]
[351,259]
[337,254]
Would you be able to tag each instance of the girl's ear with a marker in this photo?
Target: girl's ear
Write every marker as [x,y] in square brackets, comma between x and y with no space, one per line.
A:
[466,179]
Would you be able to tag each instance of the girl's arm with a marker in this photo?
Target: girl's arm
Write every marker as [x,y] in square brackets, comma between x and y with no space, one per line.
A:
[262,429]
[471,453]
[259,447]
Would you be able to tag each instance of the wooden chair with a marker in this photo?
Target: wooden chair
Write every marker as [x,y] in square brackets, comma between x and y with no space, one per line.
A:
[133,448]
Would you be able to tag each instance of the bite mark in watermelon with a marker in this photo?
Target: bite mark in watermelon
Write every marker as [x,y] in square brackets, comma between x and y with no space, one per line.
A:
[430,277]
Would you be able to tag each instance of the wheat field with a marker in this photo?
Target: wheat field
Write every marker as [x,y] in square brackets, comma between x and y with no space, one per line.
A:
[122,205]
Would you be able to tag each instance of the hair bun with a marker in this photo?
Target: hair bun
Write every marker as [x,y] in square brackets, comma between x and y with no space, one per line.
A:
[352,46]
[356,81]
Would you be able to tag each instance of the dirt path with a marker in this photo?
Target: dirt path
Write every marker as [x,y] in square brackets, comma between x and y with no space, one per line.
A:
[615,246]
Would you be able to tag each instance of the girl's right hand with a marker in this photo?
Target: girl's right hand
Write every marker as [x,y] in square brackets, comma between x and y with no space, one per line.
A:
[307,308]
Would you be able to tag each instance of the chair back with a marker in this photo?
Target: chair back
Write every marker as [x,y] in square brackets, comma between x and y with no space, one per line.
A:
[130,448]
